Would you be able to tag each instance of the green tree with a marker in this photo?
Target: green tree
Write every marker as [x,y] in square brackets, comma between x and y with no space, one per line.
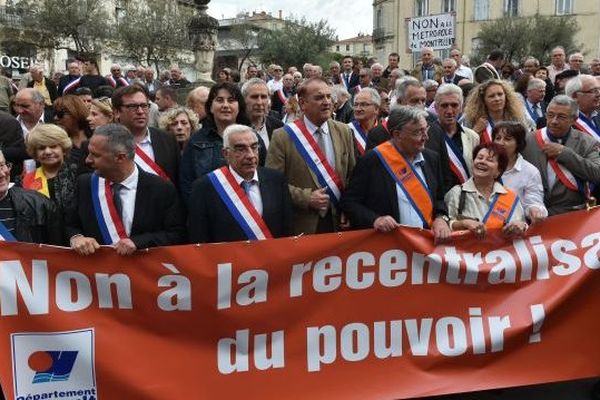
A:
[297,43]
[245,38]
[64,23]
[530,36]
[153,31]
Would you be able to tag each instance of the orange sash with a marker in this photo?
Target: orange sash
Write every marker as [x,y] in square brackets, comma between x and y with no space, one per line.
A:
[409,181]
[501,210]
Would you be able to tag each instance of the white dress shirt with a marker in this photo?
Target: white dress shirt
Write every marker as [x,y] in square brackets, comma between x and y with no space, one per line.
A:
[128,195]
[146,145]
[329,150]
[525,180]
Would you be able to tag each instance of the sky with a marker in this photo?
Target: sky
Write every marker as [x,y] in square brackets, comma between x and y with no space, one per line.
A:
[357,14]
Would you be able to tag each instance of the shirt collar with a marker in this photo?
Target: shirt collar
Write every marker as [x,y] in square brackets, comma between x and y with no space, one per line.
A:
[469,186]
[239,179]
[40,121]
[312,127]
[131,181]
[147,139]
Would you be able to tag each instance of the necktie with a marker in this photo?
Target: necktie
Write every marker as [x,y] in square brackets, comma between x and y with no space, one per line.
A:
[246,186]
[536,110]
[116,189]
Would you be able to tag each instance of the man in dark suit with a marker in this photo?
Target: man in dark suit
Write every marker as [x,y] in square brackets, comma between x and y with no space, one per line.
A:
[449,70]
[399,182]
[256,96]
[534,102]
[348,77]
[157,151]
[218,216]
[74,68]
[279,98]
[585,90]
[144,209]
[12,142]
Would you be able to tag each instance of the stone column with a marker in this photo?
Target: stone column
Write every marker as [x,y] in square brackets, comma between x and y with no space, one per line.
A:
[202,30]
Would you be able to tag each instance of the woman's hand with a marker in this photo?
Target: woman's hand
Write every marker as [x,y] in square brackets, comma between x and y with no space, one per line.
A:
[515,228]
[475,227]
[480,125]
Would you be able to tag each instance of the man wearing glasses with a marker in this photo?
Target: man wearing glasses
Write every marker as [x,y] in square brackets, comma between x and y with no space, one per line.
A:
[585,90]
[276,83]
[399,182]
[156,152]
[567,158]
[240,201]
[26,215]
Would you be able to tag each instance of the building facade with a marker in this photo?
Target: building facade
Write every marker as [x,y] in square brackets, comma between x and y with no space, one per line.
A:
[359,46]
[389,26]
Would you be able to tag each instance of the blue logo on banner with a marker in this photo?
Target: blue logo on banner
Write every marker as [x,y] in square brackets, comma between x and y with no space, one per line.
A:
[52,366]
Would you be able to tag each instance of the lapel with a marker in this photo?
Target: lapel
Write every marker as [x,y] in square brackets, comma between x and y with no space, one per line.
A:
[266,193]
[157,146]
[138,212]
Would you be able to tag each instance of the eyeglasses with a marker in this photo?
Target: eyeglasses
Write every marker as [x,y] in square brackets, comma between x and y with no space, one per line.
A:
[6,165]
[419,132]
[61,113]
[560,117]
[240,149]
[135,107]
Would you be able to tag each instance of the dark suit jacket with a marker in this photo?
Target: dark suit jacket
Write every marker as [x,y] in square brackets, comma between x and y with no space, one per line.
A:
[277,104]
[12,142]
[436,143]
[209,220]
[158,217]
[353,80]
[345,114]
[64,81]
[166,152]
[372,191]
[272,123]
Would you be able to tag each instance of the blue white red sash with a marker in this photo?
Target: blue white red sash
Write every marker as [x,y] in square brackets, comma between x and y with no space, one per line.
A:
[486,134]
[143,160]
[458,165]
[315,159]
[122,81]
[360,136]
[282,96]
[239,205]
[5,235]
[587,126]
[357,89]
[72,86]
[109,221]
[534,116]
[562,173]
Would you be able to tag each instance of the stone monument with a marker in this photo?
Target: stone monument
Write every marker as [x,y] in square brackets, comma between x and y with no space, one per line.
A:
[202,30]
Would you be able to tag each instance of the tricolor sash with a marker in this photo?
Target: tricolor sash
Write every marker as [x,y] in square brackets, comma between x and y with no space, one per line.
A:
[384,123]
[501,210]
[111,80]
[315,159]
[109,221]
[281,96]
[344,81]
[238,204]
[562,173]
[458,165]
[534,116]
[143,160]
[587,126]
[36,180]
[71,86]
[408,180]
[360,136]
[357,89]
[486,134]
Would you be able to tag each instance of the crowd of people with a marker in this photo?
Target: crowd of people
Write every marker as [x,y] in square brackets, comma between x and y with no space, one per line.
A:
[90,160]
[117,160]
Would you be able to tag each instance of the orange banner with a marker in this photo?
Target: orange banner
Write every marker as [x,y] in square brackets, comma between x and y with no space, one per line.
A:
[358,315]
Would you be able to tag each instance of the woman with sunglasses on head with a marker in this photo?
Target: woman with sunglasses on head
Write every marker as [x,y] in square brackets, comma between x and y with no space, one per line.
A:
[71,113]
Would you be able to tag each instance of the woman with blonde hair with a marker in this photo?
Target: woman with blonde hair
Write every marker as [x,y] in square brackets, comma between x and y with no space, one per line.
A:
[49,146]
[489,103]
[101,113]
[181,122]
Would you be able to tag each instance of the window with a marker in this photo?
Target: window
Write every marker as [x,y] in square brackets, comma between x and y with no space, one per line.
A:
[511,8]
[482,10]
[120,10]
[379,20]
[337,48]
[564,7]
[347,47]
[448,6]
[421,7]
